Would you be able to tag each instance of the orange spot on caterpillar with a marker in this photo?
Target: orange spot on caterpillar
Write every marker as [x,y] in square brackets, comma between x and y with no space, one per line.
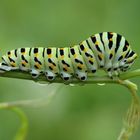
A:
[49,56]
[13,64]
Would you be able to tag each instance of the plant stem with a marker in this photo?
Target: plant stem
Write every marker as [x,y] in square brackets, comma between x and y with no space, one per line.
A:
[22,131]
[91,78]
[132,118]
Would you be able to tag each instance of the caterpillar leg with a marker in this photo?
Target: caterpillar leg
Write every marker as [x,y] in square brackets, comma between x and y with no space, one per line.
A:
[116,73]
[34,73]
[50,75]
[108,69]
[81,76]
[66,76]
[110,74]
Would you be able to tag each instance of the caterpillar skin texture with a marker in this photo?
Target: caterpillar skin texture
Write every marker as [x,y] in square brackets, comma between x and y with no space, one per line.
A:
[108,51]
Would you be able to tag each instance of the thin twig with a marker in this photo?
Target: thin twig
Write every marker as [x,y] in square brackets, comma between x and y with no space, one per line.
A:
[31,103]
[132,118]
[91,78]
[22,131]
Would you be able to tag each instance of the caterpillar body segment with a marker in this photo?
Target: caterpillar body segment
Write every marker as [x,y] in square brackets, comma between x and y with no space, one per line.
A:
[98,49]
[51,63]
[65,63]
[37,62]
[78,62]
[109,41]
[23,58]
[108,51]
[9,61]
[89,56]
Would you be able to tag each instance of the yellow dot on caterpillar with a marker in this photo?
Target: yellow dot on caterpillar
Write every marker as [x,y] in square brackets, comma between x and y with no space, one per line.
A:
[85,49]
[124,55]
[91,59]
[96,43]
[23,53]
[51,65]
[55,70]
[101,55]
[75,55]
[62,56]
[128,60]
[36,54]
[65,66]
[79,65]
[112,51]
[110,39]
[49,56]
[13,64]
[38,65]
[23,62]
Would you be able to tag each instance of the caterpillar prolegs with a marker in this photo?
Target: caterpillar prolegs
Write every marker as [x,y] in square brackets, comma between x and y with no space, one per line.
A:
[108,51]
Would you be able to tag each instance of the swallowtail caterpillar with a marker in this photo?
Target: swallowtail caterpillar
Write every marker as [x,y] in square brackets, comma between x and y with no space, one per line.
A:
[108,51]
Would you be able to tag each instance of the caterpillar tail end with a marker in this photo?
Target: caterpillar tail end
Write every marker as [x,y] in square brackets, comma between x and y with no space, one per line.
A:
[1,69]
[4,68]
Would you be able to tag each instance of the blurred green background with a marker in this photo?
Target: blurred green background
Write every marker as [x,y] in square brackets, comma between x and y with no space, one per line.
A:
[89,112]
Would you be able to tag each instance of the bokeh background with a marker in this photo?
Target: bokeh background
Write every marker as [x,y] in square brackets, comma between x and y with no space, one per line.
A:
[89,112]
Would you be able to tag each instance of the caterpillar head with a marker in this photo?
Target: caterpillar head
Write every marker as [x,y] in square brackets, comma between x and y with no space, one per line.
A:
[127,62]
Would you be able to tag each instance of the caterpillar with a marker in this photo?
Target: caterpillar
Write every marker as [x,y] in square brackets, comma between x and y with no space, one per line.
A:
[107,50]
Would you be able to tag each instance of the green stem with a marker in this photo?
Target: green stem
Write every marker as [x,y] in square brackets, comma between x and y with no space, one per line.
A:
[130,74]
[91,78]
[132,118]
[22,131]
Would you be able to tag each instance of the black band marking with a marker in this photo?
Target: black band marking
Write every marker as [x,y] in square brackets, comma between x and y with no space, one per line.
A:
[78,61]
[43,54]
[120,58]
[15,52]
[101,38]
[119,37]
[50,61]
[88,44]
[88,55]
[30,51]
[82,47]
[72,51]
[110,56]
[35,50]
[93,38]
[22,50]
[61,52]
[49,51]
[63,62]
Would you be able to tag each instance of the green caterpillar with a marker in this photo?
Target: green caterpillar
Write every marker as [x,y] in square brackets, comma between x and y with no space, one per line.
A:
[109,51]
